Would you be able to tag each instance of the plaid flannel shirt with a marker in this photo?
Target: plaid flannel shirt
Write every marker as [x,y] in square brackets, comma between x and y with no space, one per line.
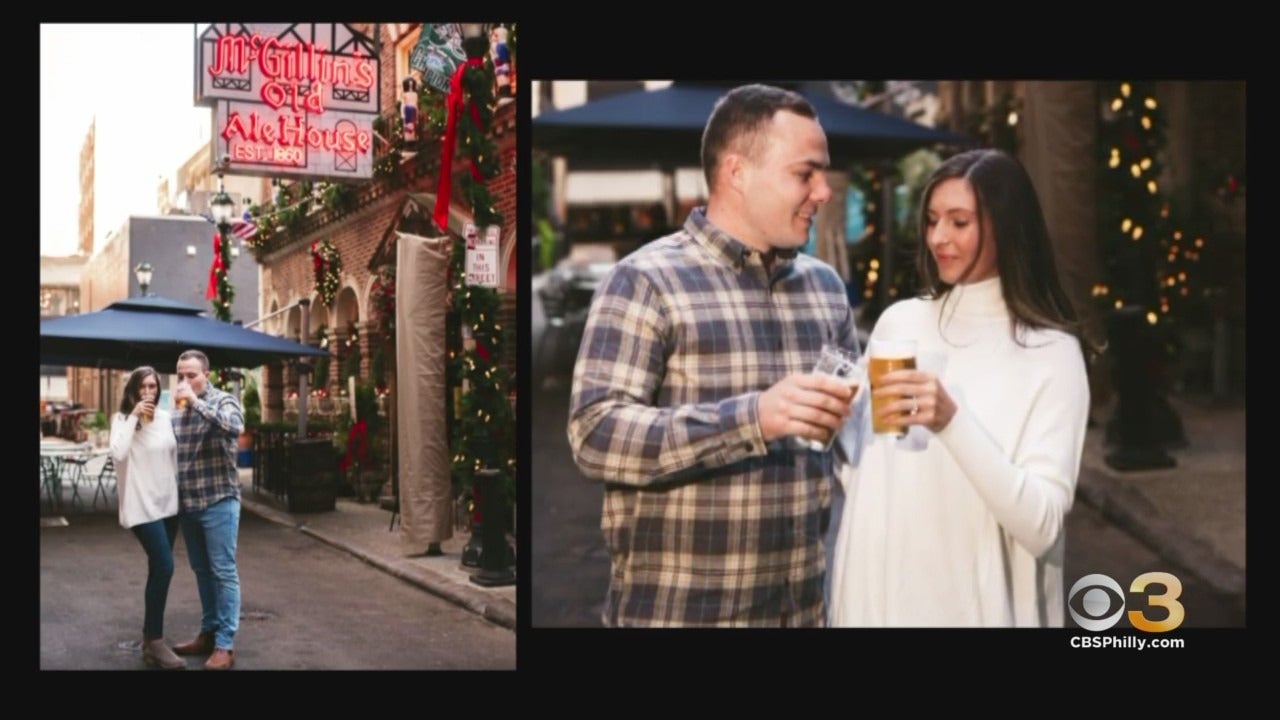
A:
[207,434]
[707,525]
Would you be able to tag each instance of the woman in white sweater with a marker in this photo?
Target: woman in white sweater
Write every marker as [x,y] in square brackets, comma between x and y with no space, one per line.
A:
[146,458]
[961,522]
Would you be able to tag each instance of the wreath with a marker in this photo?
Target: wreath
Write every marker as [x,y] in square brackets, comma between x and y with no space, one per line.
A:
[327,265]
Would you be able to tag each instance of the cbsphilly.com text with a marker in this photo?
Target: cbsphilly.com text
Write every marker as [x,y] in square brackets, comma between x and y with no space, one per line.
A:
[1125,642]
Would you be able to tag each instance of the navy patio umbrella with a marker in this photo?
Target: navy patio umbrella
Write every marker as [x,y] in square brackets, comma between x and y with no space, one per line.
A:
[154,331]
[663,128]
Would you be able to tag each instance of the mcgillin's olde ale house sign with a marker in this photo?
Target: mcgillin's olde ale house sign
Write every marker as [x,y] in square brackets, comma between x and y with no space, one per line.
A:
[290,98]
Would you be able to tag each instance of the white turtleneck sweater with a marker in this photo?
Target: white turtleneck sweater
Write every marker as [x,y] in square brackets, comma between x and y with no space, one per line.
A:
[965,527]
[146,463]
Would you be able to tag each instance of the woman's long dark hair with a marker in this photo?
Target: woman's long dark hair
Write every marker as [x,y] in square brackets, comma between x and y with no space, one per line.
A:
[1024,256]
[133,388]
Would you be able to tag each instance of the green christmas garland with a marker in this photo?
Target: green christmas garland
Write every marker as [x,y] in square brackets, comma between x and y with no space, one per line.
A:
[225,294]
[327,266]
[484,431]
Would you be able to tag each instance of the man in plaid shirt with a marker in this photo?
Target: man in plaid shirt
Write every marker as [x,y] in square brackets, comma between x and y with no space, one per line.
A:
[207,422]
[693,374]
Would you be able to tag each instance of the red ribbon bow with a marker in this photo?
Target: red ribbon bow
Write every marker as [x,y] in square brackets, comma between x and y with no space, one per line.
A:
[454,105]
[357,445]
[212,291]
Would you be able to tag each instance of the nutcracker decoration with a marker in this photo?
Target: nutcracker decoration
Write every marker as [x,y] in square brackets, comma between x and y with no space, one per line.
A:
[501,60]
[409,109]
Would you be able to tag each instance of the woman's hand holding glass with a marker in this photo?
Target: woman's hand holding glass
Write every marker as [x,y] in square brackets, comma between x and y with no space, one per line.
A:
[145,408]
[912,397]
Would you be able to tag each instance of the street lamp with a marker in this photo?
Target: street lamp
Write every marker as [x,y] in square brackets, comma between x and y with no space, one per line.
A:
[143,273]
[222,207]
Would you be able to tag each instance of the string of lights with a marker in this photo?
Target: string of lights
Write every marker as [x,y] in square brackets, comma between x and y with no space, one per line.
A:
[1153,259]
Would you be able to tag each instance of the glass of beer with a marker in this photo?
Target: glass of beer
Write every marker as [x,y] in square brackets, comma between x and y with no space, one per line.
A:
[181,403]
[885,356]
[840,363]
[148,396]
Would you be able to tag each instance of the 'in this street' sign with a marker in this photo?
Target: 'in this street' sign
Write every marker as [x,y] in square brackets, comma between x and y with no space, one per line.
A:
[482,256]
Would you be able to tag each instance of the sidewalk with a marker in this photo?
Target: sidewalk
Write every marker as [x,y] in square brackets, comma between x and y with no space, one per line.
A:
[363,530]
[1192,515]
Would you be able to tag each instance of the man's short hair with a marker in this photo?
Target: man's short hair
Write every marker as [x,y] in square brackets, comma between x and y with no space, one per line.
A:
[737,118]
[197,355]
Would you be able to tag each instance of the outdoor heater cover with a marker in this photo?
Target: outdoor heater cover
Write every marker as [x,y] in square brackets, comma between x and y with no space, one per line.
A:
[421,436]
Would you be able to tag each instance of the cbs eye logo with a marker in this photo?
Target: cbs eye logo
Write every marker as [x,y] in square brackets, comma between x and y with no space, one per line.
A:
[1101,602]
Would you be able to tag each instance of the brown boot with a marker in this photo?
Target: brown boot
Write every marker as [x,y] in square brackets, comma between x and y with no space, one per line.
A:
[221,660]
[202,645]
[155,653]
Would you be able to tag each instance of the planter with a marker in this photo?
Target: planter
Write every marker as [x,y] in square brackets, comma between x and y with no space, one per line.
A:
[312,481]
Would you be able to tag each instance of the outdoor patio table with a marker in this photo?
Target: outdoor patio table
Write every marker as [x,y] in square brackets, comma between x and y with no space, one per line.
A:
[67,462]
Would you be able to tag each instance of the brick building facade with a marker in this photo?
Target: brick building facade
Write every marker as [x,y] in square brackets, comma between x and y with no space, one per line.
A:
[358,234]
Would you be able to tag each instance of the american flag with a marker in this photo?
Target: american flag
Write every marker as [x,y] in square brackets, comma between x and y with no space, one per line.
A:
[244,227]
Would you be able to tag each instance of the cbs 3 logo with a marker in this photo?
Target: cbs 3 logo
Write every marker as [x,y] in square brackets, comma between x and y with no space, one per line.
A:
[1101,602]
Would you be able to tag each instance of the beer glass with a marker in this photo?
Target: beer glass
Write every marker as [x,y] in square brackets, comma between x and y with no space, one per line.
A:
[181,402]
[840,363]
[885,356]
[146,395]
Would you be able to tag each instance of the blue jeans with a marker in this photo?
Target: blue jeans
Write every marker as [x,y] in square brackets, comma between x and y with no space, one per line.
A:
[157,539]
[210,535]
